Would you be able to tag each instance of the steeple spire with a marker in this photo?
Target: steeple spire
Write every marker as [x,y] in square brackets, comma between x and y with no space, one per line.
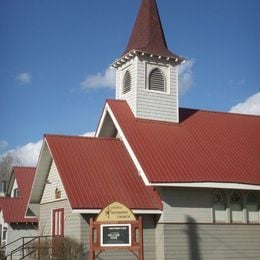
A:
[147,71]
[147,34]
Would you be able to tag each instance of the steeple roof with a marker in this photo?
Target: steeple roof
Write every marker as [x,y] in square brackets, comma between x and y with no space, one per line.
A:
[147,34]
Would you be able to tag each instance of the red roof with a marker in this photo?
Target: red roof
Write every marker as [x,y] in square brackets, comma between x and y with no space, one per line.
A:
[98,171]
[204,147]
[147,34]
[14,209]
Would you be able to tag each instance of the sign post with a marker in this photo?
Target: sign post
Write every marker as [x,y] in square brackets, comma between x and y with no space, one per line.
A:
[116,228]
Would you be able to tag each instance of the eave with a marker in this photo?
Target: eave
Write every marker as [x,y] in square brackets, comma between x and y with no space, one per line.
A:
[177,60]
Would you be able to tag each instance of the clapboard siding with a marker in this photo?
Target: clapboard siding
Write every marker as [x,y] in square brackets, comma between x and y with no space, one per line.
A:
[182,204]
[159,241]
[178,204]
[211,241]
[153,104]
[131,95]
[54,182]
[146,103]
[72,222]
[16,231]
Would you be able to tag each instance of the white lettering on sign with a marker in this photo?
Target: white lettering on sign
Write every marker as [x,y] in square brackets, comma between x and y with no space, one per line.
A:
[115,235]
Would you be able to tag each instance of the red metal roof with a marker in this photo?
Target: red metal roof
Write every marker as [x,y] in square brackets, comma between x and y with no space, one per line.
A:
[147,34]
[14,209]
[204,147]
[98,171]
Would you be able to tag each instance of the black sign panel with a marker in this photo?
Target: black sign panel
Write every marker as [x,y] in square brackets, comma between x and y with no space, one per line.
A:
[115,235]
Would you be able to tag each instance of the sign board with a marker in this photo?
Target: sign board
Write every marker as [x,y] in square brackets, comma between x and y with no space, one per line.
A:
[116,228]
[116,212]
[115,235]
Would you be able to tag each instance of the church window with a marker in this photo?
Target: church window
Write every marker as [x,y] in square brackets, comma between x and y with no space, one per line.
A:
[236,207]
[127,82]
[219,206]
[252,208]
[157,80]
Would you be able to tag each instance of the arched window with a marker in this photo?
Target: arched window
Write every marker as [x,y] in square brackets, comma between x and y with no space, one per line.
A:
[127,82]
[219,206]
[236,207]
[157,80]
[252,208]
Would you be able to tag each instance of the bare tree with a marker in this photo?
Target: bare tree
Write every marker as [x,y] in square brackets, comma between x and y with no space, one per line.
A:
[6,164]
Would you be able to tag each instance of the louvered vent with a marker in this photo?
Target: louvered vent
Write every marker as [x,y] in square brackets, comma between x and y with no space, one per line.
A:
[156,80]
[127,82]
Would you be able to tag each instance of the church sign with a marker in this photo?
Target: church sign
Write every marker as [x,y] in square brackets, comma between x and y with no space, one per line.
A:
[116,212]
[116,228]
[115,235]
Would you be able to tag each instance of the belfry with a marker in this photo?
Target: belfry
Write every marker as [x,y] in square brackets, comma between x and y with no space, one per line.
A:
[147,71]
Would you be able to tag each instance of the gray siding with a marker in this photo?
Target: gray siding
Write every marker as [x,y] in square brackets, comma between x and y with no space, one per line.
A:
[196,203]
[180,203]
[72,222]
[211,241]
[16,231]
[54,182]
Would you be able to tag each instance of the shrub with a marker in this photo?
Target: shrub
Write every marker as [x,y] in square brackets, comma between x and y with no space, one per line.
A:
[59,248]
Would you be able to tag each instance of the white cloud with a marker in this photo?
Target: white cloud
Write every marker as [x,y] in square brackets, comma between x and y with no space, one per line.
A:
[3,144]
[250,106]
[24,78]
[27,155]
[185,76]
[108,78]
[100,80]
[89,134]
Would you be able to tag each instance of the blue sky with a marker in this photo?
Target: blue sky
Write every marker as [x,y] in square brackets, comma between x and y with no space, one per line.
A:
[54,55]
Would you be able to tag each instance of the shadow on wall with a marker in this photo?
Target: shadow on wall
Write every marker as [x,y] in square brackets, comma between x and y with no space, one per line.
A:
[193,238]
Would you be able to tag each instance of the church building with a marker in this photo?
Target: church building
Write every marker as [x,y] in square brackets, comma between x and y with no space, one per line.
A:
[192,175]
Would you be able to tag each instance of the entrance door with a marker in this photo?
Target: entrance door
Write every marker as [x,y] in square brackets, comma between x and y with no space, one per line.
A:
[57,232]
[58,222]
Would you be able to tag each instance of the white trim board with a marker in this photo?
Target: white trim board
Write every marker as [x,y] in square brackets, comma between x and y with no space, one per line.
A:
[219,185]
[135,211]
[124,140]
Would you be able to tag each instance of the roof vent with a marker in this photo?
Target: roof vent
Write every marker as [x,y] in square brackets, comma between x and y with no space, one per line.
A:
[127,82]
[156,80]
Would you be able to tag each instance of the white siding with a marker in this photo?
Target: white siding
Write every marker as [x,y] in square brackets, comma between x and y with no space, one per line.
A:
[130,97]
[157,105]
[54,181]
[148,104]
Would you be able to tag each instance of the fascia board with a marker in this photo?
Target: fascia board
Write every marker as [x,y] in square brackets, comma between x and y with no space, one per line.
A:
[215,185]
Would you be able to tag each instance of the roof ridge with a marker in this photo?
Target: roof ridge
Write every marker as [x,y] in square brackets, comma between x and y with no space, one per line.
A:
[82,137]
[220,112]
[23,167]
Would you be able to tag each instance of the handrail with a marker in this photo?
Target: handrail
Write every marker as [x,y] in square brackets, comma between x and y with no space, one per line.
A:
[23,246]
